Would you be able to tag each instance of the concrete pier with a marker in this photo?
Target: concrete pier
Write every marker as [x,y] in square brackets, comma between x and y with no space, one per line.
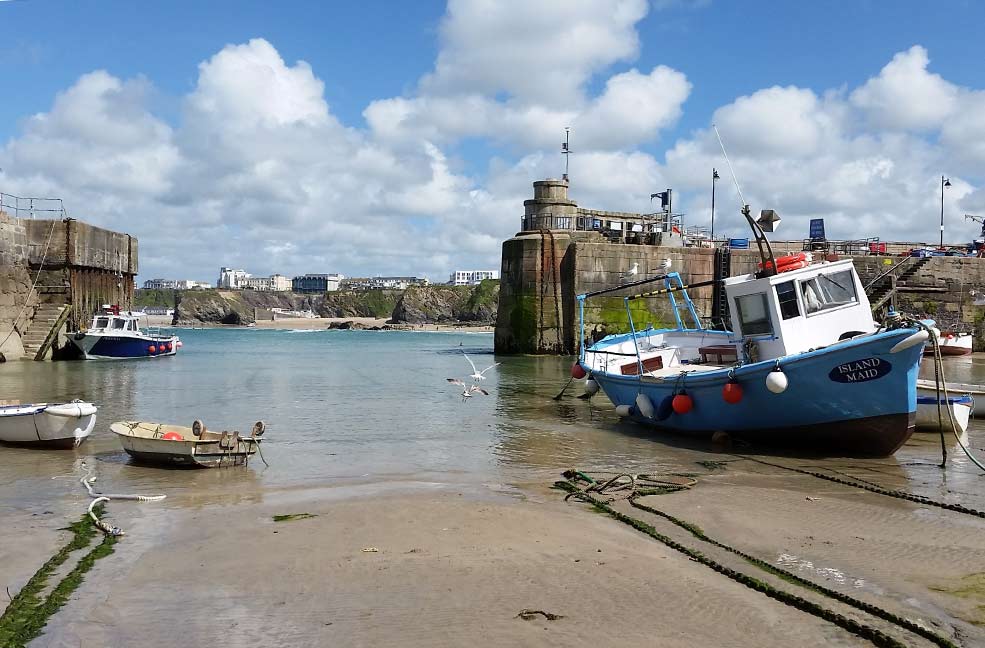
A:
[78,267]
[564,250]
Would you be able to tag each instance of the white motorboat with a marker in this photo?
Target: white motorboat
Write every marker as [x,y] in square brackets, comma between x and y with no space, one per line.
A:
[54,425]
[961,406]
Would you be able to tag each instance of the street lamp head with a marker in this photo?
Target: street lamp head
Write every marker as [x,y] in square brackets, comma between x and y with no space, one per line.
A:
[947,182]
[714,174]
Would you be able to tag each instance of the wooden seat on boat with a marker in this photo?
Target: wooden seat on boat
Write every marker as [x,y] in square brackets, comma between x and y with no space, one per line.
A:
[719,353]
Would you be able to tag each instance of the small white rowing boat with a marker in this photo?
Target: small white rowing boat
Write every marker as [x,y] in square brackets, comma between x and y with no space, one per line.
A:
[961,406]
[193,446]
[52,425]
[956,389]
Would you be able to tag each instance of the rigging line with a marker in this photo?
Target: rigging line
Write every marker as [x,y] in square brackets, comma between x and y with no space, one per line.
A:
[735,180]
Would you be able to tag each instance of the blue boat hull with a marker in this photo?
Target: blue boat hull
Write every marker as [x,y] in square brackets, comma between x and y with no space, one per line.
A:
[111,347]
[851,398]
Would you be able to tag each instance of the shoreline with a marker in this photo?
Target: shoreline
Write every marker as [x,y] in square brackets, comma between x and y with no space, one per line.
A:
[321,323]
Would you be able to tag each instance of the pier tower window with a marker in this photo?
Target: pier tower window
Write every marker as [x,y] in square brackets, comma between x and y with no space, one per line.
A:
[786,294]
[754,314]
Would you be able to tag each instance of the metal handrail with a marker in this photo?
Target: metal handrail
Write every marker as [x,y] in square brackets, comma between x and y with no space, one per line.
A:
[890,270]
[31,206]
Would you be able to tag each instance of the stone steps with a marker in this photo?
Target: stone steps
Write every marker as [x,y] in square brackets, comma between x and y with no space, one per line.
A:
[45,317]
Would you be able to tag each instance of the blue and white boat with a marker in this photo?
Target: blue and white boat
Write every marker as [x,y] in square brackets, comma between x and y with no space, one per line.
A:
[116,335]
[804,363]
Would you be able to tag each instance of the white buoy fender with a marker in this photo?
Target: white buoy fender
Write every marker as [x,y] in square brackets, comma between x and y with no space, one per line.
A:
[645,405]
[776,381]
[591,387]
[71,410]
[912,340]
[623,410]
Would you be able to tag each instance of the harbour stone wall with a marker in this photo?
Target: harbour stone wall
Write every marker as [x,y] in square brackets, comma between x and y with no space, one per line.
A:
[76,264]
[15,285]
[544,269]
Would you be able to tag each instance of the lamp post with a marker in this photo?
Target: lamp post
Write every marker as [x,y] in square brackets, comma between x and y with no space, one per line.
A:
[714,178]
[944,183]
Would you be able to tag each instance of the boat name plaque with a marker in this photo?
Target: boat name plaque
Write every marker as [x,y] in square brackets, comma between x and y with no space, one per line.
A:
[860,370]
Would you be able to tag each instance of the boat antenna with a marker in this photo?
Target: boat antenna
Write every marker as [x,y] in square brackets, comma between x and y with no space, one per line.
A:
[742,199]
[768,266]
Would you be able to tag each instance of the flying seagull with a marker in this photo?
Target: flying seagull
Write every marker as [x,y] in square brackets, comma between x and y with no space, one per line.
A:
[632,272]
[467,390]
[476,374]
[665,265]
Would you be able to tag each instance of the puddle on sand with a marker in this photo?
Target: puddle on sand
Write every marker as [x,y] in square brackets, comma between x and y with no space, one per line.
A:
[798,564]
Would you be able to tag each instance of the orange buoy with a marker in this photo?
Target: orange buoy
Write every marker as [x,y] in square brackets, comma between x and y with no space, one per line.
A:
[152,349]
[578,371]
[732,392]
[682,403]
[172,436]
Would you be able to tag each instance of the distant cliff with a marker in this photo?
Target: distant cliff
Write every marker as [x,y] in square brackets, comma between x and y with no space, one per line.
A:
[444,304]
[416,305]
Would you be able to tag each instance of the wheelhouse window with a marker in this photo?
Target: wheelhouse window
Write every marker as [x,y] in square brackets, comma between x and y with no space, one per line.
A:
[754,314]
[786,295]
[829,291]
[119,323]
[101,322]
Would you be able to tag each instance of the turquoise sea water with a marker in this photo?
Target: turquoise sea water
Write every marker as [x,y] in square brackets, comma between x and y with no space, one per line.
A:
[362,406]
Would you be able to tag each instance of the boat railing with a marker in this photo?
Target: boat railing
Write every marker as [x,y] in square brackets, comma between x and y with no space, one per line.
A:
[672,284]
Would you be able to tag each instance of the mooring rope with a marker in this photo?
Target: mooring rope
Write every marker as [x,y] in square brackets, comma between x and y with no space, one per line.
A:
[98,498]
[874,635]
[919,499]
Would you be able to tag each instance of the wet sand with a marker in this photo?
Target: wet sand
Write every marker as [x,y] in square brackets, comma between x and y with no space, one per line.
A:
[454,564]
[450,570]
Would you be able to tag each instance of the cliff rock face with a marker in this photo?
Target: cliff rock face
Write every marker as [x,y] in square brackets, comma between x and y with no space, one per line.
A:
[416,305]
[443,304]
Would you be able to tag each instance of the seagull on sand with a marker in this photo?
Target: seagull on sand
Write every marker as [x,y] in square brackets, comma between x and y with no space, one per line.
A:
[476,374]
[632,272]
[467,390]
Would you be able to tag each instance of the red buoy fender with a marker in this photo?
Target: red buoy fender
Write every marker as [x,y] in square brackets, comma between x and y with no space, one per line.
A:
[152,349]
[682,404]
[732,392]
[578,371]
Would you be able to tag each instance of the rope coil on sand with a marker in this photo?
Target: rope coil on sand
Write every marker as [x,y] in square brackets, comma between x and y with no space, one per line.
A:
[98,498]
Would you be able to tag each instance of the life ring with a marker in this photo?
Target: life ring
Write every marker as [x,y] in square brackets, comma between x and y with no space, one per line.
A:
[789,260]
[793,266]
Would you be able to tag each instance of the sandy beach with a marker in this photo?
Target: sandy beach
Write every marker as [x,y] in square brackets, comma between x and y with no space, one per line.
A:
[425,564]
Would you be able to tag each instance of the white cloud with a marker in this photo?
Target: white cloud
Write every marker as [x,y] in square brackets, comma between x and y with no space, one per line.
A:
[905,95]
[259,172]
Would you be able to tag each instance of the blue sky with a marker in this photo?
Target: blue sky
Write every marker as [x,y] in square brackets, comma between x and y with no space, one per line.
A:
[425,59]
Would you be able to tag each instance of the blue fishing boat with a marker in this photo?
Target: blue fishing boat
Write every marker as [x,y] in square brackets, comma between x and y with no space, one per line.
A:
[116,335]
[804,363]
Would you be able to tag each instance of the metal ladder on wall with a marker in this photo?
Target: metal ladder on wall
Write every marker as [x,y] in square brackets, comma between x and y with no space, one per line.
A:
[719,299]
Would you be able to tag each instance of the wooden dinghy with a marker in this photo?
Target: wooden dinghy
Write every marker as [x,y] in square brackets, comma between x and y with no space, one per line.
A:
[194,446]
